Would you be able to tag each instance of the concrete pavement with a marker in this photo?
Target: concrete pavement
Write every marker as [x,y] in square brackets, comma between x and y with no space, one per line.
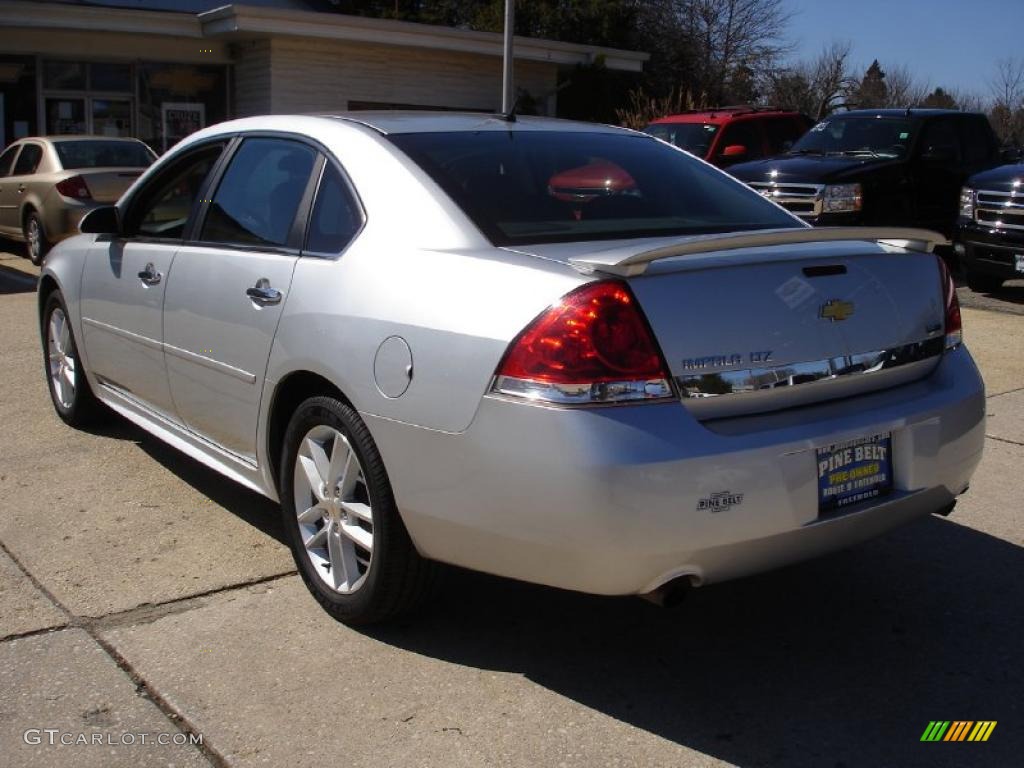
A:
[141,593]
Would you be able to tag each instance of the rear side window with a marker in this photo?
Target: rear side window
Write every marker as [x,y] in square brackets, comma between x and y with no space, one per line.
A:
[523,187]
[336,216]
[103,154]
[166,202]
[28,160]
[693,137]
[979,142]
[7,160]
[258,197]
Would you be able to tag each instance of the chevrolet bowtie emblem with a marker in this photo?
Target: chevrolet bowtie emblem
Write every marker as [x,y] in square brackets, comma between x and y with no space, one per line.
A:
[836,310]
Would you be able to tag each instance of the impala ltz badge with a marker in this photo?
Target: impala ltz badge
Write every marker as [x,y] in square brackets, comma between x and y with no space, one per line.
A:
[720,502]
[835,310]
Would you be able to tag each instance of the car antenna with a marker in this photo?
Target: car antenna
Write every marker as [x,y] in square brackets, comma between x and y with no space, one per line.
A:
[510,116]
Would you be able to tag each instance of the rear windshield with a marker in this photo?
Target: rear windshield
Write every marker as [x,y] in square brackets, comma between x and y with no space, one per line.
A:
[693,137]
[523,187]
[103,154]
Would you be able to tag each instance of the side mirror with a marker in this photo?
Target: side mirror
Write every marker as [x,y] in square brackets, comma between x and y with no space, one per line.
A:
[734,151]
[101,221]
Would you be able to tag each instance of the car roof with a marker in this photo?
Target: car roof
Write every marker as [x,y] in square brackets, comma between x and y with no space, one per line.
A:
[388,122]
[909,112]
[725,115]
[77,137]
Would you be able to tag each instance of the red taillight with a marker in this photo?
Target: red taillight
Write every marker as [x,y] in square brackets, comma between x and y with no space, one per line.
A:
[954,324]
[592,346]
[74,186]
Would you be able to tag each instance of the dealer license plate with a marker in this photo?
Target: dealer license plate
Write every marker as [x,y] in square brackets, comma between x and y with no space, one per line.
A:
[854,471]
[1019,262]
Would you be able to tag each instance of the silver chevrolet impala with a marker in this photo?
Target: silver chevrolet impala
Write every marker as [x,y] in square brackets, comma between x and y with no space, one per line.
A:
[559,352]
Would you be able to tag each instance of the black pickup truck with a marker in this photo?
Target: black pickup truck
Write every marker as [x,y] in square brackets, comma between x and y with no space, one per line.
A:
[881,166]
[990,233]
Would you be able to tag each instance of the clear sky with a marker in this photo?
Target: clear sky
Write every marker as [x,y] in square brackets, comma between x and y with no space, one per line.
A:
[950,43]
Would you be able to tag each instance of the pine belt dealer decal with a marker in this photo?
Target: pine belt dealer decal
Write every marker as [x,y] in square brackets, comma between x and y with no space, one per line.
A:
[958,730]
[720,502]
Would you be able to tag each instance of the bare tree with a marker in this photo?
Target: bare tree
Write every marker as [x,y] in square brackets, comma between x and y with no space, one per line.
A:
[905,90]
[731,34]
[831,79]
[1007,113]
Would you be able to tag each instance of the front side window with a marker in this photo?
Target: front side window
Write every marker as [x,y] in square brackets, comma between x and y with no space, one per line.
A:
[336,216]
[940,140]
[103,154]
[695,138]
[781,133]
[28,160]
[863,136]
[523,187]
[258,197]
[167,201]
[745,134]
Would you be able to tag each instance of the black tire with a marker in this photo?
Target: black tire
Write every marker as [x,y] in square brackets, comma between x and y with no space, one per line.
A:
[81,408]
[981,283]
[36,244]
[397,579]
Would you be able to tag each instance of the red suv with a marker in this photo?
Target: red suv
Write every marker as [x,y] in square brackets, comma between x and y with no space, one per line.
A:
[732,134]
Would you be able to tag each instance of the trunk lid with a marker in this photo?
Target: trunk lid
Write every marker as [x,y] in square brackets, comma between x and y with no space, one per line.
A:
[106,185]
[758,329]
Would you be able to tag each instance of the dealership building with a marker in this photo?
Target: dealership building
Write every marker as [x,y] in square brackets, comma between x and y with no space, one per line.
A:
[159,70]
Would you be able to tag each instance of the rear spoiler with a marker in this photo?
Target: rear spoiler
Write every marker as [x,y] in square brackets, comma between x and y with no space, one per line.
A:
[628,262]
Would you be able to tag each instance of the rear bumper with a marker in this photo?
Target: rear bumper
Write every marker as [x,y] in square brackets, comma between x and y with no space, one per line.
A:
[990,252]
[606,500]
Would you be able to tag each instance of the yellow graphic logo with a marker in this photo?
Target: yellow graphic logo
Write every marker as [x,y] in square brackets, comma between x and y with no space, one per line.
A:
[835,310]
[958,730]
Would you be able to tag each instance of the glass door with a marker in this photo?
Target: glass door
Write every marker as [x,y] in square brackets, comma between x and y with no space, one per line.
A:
[111,117]
[65,115]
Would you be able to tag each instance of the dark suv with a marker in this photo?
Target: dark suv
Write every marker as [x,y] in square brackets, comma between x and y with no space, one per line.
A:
[882,166]
[731,135]
[990,235]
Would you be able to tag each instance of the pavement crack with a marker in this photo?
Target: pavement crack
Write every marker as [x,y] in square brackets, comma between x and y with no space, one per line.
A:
[93,626]
[1004,440]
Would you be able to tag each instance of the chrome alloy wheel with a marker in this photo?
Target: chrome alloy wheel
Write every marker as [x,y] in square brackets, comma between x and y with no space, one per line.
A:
[33,237]
[61,358]
[332,504]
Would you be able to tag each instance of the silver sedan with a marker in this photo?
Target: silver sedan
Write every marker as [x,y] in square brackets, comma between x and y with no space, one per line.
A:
[559,352]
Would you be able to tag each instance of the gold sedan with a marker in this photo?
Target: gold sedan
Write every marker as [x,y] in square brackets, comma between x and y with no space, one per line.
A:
[47,184]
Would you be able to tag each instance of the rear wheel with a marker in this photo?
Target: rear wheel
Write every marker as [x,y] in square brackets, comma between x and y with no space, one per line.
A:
[349,543]
[36,244]
[983,283]
[69,389]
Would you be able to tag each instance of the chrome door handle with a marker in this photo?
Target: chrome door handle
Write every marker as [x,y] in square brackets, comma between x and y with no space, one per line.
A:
[149,275]
[262,294]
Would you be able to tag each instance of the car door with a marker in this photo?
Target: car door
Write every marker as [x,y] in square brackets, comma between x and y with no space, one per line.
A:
[939,164]
[17,184]
[228,287]
[9,223]
[125,279]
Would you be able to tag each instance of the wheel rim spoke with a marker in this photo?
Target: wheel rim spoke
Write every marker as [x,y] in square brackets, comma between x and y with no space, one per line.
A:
[61,361]
[333,509]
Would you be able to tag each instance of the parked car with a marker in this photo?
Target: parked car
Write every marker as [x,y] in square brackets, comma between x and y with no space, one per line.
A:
[732,135]
[990,235]
[443,338]
[48,183]
[879,166]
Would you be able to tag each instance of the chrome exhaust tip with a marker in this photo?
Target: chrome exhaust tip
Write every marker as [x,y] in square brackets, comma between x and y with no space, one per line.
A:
[671,594]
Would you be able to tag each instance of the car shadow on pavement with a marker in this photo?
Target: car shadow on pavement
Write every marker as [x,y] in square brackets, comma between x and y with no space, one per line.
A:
[842,661]
[15,281]
[258,511]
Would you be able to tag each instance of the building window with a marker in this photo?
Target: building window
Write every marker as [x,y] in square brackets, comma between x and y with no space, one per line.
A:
[178,99]
[87,97]
[17,98]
